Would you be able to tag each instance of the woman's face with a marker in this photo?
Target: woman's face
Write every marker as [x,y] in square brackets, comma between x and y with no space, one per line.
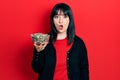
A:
[61,22]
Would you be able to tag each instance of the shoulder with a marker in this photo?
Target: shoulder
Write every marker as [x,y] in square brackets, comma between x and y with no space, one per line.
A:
[79,40]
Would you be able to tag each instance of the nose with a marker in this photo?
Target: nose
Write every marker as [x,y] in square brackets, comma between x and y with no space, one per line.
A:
[60,19]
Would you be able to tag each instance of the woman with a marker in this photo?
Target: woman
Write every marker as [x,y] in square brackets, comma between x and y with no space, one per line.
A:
[64,57]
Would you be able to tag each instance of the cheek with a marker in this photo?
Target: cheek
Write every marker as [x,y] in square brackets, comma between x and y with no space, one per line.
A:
[67,22]
[54,22]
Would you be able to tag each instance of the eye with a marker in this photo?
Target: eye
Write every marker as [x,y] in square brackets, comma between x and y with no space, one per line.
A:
[65,16]
[56,16]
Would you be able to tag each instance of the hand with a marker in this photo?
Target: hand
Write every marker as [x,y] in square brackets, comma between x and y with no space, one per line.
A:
[40,46]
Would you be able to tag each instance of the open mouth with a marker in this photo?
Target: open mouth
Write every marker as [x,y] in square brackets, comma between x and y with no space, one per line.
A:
[60,27]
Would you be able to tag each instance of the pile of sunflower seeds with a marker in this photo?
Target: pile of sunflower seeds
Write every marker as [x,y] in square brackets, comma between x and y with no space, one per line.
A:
[40,37]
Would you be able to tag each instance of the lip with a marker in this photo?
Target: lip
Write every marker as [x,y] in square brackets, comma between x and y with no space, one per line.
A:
[60,27]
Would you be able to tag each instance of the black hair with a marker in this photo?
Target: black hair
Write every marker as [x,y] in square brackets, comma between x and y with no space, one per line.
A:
[71,27]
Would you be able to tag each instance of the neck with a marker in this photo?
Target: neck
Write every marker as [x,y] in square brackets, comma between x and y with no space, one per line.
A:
[61,35]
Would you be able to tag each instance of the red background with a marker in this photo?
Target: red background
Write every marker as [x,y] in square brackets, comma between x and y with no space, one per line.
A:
[97,23]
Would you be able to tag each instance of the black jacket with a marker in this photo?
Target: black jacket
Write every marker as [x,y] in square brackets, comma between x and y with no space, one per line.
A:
[77,62]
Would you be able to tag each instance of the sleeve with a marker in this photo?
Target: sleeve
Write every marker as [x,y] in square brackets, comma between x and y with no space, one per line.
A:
[38,60]
[84,63]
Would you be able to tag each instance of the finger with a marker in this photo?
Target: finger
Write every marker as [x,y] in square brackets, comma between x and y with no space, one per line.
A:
[43,44]
[46,43]
[36,44]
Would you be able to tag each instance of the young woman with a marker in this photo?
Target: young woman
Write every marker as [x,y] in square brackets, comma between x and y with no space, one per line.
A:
[64,57]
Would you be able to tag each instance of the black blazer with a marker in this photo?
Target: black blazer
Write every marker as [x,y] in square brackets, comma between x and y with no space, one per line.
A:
[77,62]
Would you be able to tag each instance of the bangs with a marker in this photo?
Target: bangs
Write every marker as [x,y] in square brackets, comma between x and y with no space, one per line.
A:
[61,11]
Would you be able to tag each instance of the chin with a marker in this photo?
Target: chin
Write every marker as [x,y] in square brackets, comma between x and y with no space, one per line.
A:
[60,31]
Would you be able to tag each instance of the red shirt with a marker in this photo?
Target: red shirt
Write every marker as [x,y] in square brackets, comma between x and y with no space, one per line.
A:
[61,47]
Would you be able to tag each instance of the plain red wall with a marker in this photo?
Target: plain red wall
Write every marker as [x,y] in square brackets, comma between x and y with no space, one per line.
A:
[97,23]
